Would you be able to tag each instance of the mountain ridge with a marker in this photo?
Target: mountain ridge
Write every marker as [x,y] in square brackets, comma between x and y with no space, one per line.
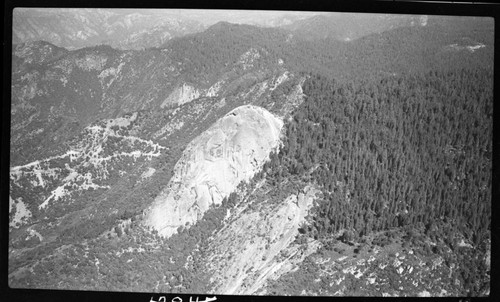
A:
[276,155]
[75,28]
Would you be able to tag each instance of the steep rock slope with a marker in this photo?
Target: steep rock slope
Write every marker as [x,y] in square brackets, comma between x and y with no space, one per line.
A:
[111,172]
[89,152]
[213,164]
[258,243]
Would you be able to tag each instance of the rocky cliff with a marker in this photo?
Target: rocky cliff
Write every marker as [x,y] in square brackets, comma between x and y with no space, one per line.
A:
[258,243]
[230,151]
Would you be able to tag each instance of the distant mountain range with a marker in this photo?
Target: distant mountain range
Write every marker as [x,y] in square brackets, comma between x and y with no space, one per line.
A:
[77,28]
[139,29]
[128,29]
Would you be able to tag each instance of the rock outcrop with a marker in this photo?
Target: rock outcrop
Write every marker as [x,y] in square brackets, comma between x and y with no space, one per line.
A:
[230,151]
[181,95]
[259,245]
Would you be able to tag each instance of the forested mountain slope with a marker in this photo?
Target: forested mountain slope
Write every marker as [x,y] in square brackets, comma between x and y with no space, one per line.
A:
[78,87]
[415,49]
[407,153]
[96,132]
[351,26]
[378,183]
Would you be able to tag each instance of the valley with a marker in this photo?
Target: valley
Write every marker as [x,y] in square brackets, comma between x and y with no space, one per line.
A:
[249,160]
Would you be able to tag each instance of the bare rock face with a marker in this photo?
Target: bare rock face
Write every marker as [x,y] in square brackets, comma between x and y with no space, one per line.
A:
[257,245]
[230,151]
[181,95]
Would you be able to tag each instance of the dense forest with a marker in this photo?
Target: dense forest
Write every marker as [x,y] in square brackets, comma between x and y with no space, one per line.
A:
[408,150]
[405,152]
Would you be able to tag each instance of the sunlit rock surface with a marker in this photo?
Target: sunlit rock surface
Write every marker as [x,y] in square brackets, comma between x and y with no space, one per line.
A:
[231,150]
[259,245]
[181,95]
